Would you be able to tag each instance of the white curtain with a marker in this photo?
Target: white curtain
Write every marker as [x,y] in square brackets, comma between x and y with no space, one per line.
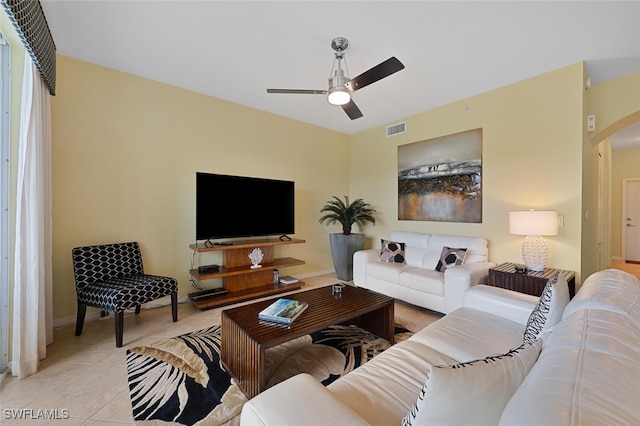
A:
[32,291]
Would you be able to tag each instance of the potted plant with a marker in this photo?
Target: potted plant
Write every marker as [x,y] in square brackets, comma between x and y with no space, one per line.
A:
[344,245]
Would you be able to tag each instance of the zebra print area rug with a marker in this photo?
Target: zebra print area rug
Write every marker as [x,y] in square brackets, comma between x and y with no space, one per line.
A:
[182,380]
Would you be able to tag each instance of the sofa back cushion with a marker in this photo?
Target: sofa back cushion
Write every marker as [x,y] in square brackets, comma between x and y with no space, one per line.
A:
[416,245]
[424,250]
[610,290]
[588,373]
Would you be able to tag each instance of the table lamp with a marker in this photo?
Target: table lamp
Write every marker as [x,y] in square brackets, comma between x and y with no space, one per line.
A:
[535,224]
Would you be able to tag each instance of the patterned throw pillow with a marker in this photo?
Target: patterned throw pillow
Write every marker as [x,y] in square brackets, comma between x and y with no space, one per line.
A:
[392,251]
[451,257]
[472,393]
[548,311]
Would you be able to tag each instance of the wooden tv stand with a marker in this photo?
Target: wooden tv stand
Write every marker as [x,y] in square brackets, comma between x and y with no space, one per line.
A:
[240,281]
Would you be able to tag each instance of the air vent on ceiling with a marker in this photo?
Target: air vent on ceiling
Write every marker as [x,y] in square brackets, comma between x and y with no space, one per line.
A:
[396,129]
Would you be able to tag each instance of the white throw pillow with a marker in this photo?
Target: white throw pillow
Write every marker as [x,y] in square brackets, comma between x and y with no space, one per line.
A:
[472,393]
[548,311]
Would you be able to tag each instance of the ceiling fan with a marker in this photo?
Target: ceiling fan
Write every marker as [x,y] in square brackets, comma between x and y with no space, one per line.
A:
[340,86]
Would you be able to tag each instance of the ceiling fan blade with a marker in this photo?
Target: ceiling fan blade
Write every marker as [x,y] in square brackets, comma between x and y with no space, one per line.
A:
[298,91]
[380,71]
[352,110]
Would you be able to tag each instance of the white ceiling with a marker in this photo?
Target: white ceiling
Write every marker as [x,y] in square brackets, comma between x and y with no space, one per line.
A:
[451,49]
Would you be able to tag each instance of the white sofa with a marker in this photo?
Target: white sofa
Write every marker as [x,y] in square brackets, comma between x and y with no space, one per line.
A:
[417,281]
[588,372]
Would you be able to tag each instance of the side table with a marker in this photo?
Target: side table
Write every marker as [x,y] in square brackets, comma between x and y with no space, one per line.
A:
[531,282]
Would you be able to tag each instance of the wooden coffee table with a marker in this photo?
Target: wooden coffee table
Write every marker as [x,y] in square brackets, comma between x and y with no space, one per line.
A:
[245,338]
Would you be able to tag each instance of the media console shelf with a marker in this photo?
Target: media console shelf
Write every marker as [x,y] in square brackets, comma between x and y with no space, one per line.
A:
[240,281]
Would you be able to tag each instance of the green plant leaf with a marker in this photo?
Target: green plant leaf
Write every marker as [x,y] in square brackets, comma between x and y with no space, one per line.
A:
[347,213]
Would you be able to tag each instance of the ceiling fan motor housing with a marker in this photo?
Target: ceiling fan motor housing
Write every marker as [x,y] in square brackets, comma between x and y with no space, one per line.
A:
[338,79]
[339,44]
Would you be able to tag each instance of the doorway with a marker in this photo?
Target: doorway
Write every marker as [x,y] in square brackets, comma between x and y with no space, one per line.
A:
[631,220]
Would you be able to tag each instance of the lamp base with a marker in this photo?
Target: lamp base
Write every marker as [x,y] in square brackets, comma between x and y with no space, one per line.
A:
[535,253]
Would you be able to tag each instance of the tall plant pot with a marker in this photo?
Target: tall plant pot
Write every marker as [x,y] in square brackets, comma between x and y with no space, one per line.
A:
[342,249]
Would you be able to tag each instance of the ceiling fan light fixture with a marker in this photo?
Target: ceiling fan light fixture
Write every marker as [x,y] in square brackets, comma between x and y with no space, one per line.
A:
[339,96]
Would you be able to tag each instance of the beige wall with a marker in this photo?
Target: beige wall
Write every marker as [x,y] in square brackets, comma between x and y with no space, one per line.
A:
[532,158]
[625,165]
[126,150]
[615,104]
[125,153]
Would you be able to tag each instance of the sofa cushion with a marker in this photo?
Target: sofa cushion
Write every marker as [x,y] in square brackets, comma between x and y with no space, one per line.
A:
[426,280]
[473,392]
[293,397]
[391,251]
[382,390]
[423,250]
[548,311]
[477,250]
[450,257]
[468,333]
[611,290]
[508,304]
[422,257]
[411,239]
[386,271]
[588,374]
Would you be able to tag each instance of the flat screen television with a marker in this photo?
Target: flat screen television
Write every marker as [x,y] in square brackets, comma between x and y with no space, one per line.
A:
[239,206]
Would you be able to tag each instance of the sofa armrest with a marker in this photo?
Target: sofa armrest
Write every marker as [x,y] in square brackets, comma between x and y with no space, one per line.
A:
[300,400]
[505,303]
[360,260]
[459,278]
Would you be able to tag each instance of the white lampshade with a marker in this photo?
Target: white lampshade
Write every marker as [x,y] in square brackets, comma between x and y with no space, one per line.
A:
[339,96]
[534,224]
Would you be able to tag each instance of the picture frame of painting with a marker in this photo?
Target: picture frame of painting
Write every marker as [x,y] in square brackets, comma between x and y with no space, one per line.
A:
[441,179]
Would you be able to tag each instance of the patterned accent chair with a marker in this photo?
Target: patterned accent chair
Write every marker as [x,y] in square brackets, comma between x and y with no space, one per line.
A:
[111,277]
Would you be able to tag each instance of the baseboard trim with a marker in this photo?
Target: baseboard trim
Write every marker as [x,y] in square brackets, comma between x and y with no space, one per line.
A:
[65,321]
[315,274]
[94,315]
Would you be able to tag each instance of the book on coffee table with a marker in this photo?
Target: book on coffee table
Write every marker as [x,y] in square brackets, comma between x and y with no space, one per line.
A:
[288,280]
[283,311]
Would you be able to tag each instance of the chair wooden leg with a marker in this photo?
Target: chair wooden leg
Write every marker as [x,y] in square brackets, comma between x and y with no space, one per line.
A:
[137,309]
[174,306]
[82,311]
[119,328]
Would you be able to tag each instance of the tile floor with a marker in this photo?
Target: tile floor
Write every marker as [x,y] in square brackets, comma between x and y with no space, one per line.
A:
[87,376]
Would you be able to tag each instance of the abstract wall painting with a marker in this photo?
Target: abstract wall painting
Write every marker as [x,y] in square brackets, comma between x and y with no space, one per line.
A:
[441,179]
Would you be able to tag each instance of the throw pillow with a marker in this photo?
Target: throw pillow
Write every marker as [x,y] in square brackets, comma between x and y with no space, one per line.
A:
[392,251]
[451,257]
[548,311]
[472,393]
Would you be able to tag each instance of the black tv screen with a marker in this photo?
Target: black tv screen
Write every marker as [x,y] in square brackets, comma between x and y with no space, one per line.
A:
[238,206]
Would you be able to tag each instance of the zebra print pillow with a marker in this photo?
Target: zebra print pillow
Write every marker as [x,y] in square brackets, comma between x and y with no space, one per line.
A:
[548,311]
[472,393]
